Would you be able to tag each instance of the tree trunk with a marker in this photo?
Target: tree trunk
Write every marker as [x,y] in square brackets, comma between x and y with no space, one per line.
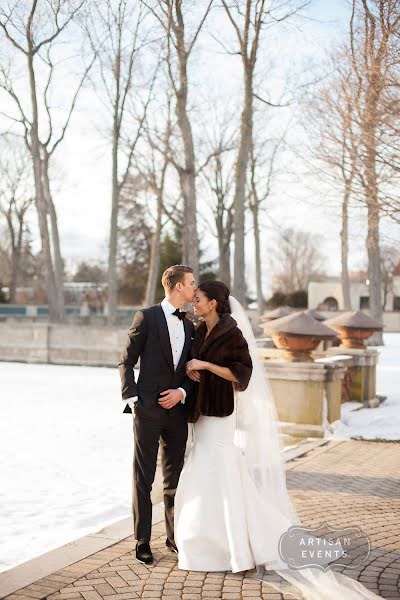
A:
[13,278]
[16,249]
[224,235]
[224,268]
[260,296]
[40,200]
[45,240]
[246,126]
[372,202]
[14,260]
[13,265]
[58,263]
[187,179]
[187,176]
[344,237]
[374,269]
[385,284]
[113,241]
[154,266]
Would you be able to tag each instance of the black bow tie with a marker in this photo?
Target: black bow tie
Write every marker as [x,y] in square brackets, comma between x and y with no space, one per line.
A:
[180,314]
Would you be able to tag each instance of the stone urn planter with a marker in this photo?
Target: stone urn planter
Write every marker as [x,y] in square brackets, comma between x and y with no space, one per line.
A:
[315,314]
[276,313]
[298,335]
[354,328]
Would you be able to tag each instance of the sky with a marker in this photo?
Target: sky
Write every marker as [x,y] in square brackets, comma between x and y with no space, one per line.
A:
[82,168]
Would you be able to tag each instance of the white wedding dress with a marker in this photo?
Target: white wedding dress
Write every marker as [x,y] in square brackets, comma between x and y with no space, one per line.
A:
[213,528]
[217,521]
[232,505]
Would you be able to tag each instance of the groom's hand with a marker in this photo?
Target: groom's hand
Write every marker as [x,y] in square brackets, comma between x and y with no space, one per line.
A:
[170,398]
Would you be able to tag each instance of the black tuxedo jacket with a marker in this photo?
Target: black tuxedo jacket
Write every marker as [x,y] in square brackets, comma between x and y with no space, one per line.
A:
[148,338]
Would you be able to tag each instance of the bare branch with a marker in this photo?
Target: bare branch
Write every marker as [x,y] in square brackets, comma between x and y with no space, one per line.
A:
[72,108]
[272,104]
[232,20]
[59,28]
[192,43]
[3,25]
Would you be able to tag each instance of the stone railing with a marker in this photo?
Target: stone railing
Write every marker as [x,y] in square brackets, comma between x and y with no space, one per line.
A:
[61,344]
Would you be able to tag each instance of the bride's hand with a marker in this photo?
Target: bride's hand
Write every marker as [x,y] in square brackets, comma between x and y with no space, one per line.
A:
[196,365]
[193,375]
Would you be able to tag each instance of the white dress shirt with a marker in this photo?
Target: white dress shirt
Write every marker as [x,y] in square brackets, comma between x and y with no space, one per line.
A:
[176,332]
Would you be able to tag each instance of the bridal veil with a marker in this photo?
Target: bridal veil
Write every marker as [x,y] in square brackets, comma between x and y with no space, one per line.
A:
[270,510]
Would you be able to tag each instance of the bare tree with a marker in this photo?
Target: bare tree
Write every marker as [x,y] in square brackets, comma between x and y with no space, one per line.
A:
[248,19]
[332,126]
[16,198]
[218,175]
[223,215]
[297,260]
[147,187]
[116,30]
[263,158]
[179,48]
[374,37]
[348,163]
[153,165]
[33,29]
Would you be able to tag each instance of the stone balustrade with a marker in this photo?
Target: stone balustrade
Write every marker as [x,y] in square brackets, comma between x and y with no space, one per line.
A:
[61,344]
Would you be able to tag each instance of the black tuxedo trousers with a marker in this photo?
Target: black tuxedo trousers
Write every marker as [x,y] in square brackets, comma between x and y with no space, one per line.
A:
[154,426]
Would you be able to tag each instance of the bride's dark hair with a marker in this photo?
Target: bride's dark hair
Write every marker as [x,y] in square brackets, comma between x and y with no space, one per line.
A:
[216,290]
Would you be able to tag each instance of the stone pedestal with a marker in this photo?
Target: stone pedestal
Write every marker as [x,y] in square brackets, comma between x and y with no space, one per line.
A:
[363,372]
[342,360]
[307,395]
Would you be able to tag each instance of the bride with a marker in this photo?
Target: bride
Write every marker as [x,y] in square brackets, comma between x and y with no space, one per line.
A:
[232,505]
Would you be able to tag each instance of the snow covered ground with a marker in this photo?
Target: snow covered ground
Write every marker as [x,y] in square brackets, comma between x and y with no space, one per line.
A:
[382,422]
[66,455]
[66,449]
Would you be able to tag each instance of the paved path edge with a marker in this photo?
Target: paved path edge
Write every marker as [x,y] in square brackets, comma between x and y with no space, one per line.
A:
[33,570]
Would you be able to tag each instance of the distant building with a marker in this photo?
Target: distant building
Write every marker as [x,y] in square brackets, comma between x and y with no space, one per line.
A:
[92,297]
[328,294]
[76,293]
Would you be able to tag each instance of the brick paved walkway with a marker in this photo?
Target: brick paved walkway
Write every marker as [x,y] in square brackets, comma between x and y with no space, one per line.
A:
[342,483]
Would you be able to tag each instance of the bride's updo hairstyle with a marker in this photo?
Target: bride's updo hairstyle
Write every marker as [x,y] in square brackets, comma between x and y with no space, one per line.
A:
[216,290]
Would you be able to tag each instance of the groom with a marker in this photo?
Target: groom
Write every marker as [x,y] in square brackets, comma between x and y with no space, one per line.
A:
[161,337]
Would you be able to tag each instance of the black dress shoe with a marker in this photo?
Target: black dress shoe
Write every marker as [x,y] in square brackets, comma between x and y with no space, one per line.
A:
[143,553]
[171,547]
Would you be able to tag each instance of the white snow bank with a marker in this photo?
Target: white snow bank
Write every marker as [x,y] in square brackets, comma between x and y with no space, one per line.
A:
[66,456]
[382,422]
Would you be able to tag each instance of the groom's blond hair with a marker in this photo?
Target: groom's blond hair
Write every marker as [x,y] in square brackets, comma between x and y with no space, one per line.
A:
[173,275]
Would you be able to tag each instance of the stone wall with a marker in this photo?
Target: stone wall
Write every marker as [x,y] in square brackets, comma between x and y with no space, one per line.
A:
[61,344]
[72,343]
